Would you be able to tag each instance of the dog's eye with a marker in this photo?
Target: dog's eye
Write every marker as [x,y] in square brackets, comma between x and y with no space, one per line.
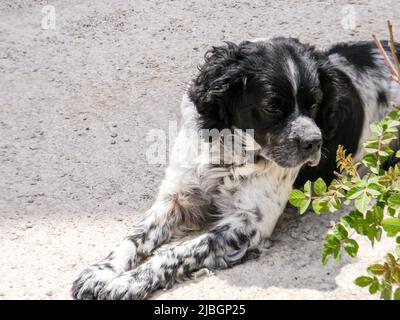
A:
[272,111]
[314,106]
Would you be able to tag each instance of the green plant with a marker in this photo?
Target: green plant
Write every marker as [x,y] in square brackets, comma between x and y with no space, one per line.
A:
[374,197]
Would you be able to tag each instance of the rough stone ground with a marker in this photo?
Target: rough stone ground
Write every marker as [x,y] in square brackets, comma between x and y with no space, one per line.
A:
[76,105]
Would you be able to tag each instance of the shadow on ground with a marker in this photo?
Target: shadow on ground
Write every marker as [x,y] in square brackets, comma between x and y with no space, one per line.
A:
[294,260]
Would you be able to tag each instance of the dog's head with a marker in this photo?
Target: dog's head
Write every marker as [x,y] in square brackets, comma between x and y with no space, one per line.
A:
[274,87]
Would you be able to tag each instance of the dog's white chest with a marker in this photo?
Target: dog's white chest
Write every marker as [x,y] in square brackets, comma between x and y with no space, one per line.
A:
[266,195]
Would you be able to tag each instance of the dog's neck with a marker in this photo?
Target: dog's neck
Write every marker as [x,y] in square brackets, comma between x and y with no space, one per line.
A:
[232,166]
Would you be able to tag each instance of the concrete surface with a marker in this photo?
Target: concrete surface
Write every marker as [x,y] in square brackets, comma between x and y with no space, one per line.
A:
[76,105]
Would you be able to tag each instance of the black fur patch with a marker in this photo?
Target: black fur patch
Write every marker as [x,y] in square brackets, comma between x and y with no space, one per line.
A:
[359,54]
[382,98]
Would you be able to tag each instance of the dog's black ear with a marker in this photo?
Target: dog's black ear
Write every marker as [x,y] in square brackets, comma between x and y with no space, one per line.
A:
[328,110]
[338,100]
[218,78]
[341,113]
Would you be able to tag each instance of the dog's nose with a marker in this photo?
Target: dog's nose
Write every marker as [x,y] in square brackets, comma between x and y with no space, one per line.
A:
[311,144]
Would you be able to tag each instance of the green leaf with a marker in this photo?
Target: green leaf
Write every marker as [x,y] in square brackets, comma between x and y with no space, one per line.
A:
[363,281]
[370,217]
[333,246]
[351,247]
[391,211]
[305,206]
[337,254]
[320,205]
[392,124]
[307,189]
[352,218]
[374,287]
[340,232]
[362,202]
[385,152]
[319,187]
[393,115]
[394,200]
[371,146]
[334,204]
[376,128]
[396,295]
[371,162]
[387,137]
[326,254]
[371,233]
[396,275]
[377,269]
[375,189]
[298,199]
[391,226]
[378,214]
[390,259]
[398,154]
[354,193]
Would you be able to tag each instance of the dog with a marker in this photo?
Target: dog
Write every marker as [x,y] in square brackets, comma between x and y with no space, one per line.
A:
[300,103]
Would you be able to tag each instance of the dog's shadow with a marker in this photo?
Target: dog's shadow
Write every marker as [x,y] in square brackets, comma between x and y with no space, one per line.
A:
[293,261]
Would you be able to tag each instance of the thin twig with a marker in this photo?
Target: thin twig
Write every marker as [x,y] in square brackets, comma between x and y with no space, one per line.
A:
[393,70]
[395,78]
[393,49]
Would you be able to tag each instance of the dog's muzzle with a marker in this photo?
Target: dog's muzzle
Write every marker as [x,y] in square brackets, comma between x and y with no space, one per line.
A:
[310,147]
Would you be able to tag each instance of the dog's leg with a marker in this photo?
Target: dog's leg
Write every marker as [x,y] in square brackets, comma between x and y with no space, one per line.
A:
[123,257]
[233,240]
[183,207]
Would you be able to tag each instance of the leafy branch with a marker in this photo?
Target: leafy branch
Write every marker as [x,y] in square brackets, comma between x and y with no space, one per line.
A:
[374,197]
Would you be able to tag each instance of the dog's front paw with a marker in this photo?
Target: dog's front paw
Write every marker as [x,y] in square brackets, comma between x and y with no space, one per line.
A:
[91,281]
[128,286]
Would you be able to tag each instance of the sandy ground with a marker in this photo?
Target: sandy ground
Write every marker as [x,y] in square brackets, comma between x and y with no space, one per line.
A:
[76,105]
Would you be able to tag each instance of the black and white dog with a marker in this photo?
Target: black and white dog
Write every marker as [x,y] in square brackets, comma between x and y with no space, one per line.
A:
[299,101]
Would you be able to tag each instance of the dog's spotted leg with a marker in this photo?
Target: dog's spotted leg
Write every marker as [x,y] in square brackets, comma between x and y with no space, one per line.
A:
[122,258]
[169,213]
[229,243]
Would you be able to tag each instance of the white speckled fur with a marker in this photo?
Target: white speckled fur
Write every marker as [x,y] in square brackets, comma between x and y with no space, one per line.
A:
[248,198]
[367,84]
